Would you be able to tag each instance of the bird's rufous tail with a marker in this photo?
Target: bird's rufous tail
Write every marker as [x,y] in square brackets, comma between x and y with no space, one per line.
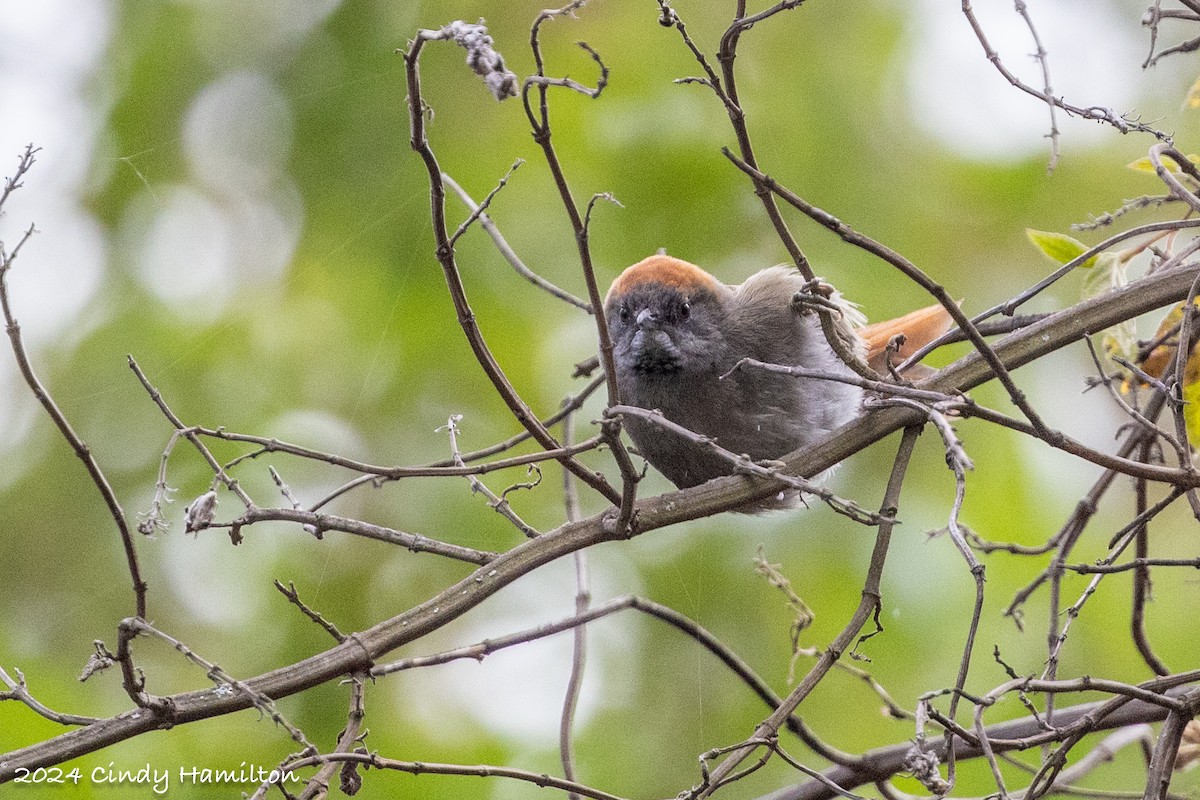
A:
[919,327]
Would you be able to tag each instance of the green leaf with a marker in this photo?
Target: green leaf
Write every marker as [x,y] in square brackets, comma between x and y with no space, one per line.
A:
[1059,247]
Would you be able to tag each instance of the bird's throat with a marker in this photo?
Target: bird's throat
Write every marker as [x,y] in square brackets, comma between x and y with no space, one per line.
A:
[655,353]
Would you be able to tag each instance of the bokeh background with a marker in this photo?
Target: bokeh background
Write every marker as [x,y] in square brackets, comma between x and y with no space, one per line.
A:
[225,191]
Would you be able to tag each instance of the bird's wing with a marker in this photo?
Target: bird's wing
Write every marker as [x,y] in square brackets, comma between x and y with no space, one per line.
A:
[766,298]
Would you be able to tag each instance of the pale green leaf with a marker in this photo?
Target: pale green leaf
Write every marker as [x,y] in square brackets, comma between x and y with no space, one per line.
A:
[1110,273]
[1059,247]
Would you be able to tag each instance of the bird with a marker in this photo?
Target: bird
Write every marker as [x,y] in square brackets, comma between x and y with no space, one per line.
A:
[677,335]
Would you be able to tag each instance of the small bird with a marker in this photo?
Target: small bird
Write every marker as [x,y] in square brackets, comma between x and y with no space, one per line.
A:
[677,332]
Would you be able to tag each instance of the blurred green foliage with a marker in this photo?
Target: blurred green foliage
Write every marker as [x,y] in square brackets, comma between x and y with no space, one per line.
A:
[354,348]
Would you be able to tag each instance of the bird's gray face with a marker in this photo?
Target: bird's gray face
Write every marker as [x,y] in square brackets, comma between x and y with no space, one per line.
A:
[661,330]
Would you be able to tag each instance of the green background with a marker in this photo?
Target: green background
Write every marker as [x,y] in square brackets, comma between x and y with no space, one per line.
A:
[343,338]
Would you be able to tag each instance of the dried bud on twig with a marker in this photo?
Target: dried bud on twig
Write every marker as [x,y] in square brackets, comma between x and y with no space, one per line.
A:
[923,764]
[199,515]
[482,57]
[97,661]
[349,779]
[151,524]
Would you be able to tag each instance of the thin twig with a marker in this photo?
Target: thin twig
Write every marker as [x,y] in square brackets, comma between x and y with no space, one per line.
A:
[1018,734]
[286,491]
[478,211]
[1120,541]
[331,522]
[1134,564]
[542,134]
[906,267]
[293,597]
[17,690]
[870,600]
[152,520]
[583,600]
[192,434]
[1132,412]
[1041,57]
[886,388]
[1122,124]
[445,256]
[498,503]
[448,468]
[1158,777]
[572,403]
[78,445]
[431,768]
[508,253]
[131,628]
[580,225]
[1009,307]
[317,786]
[670,616]
[1141,579]
[1085,509]
[958,462]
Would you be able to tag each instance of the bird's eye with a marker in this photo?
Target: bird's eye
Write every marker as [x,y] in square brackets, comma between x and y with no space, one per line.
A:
[624,313]
[686,311]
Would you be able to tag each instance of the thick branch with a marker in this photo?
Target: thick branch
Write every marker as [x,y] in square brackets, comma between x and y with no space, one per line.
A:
[357,653]
[884,762]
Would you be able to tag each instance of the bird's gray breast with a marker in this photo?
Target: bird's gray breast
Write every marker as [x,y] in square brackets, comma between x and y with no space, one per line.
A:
[749,412]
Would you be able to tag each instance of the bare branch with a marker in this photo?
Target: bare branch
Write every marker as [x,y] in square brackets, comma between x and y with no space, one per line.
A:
[17,690]
[1041,56]
[509,254]
[498,503]
[583,601]
[431,768]
[870,600]
[1054,332]
[742,464]
[191,434]
[1122,124]
[293,597]
[478,211]
[466,317]
[78,445]
[1011,735]
[910,270]
[330,522]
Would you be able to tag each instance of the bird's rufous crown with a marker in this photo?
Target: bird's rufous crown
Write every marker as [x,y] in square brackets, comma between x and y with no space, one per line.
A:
[665,271]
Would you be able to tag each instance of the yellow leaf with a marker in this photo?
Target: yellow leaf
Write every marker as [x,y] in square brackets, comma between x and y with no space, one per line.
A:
[1144,164]
[1191,396]
[1193,95]
[1160,363]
